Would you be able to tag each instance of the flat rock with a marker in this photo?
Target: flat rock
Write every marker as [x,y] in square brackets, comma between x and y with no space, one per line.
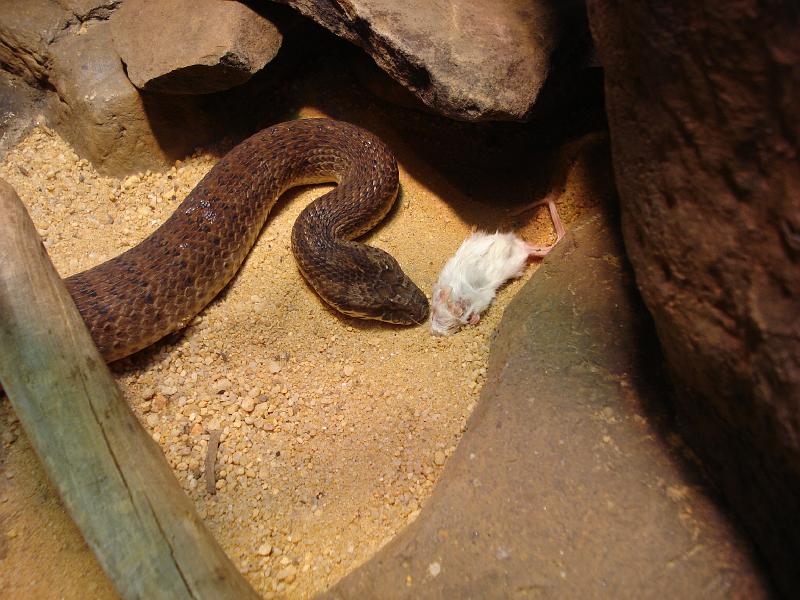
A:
[467,60]
[705,144]
[192,46]
[569,482]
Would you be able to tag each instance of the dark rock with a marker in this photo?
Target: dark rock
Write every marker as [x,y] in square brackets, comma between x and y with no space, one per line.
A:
[704,111]
[467,60]
[191,46]
[568,482]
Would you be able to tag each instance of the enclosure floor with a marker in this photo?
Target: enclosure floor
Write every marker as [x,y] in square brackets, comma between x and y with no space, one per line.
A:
[334,429]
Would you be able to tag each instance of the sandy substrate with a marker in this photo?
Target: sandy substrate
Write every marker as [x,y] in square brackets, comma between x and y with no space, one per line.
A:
[334,430]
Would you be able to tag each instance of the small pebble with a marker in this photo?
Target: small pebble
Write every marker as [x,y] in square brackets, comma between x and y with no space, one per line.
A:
[158,403]
[220,386]
[287,574]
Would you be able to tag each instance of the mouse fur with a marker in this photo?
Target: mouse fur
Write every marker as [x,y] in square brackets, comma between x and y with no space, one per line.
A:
[470,279]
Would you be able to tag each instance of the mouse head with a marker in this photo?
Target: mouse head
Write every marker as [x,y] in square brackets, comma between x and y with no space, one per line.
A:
[447,313]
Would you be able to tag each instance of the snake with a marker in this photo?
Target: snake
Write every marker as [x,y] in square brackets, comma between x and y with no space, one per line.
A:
[159,285]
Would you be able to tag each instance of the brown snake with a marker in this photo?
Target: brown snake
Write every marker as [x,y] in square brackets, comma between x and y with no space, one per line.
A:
[158,286]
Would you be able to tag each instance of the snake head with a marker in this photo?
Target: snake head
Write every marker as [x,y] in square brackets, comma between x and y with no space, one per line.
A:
[407,306]
[380,290]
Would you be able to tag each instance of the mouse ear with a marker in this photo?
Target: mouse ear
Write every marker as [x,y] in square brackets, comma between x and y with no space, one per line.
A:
[442,294]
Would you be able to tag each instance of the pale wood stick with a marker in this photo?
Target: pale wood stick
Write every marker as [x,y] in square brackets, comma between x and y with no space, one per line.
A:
[111,475]
[211,461]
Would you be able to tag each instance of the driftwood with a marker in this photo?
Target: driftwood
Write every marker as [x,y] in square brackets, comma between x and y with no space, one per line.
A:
[110,474]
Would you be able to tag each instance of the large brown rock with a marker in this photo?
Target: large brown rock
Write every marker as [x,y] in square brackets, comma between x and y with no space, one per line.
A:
[192,46]
[105,118]
[26,31]
[467,60]
[65,48]
[704,110]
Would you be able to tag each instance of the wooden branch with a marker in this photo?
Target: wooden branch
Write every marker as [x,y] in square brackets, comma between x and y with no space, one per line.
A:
[110,474]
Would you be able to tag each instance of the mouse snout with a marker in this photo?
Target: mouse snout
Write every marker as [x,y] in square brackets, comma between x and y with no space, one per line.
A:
[443,322]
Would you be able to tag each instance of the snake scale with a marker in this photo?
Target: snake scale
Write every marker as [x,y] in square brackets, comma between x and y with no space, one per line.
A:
[159,285]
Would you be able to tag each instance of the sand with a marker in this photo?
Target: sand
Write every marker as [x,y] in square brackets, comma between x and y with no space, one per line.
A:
[334,430]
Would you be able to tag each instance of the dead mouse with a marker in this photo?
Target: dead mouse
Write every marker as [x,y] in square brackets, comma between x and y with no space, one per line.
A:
[470,279]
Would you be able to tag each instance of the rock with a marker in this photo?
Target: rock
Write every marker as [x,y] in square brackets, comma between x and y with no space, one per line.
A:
[67,49]
[220,386]
[19,106]
[84,10]
[705,144]
[104,117]
[467,60]
[159,403]
[534,501]
[287,574]
[192,46]
[26,31]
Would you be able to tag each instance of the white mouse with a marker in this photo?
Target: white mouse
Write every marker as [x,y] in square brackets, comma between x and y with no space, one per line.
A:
[470,279]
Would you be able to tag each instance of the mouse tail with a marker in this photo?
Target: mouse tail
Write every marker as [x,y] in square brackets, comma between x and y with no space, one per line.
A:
[542,251]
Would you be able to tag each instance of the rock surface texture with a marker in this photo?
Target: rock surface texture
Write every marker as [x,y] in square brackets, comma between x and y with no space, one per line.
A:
[192,46]
[567,483]
[66,49]
[467,60]
[705,143]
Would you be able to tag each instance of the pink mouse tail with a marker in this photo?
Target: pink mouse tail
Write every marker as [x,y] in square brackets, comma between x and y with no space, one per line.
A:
[542,251]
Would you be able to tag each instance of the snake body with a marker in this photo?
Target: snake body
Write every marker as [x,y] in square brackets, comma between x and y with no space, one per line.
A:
[159,285]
